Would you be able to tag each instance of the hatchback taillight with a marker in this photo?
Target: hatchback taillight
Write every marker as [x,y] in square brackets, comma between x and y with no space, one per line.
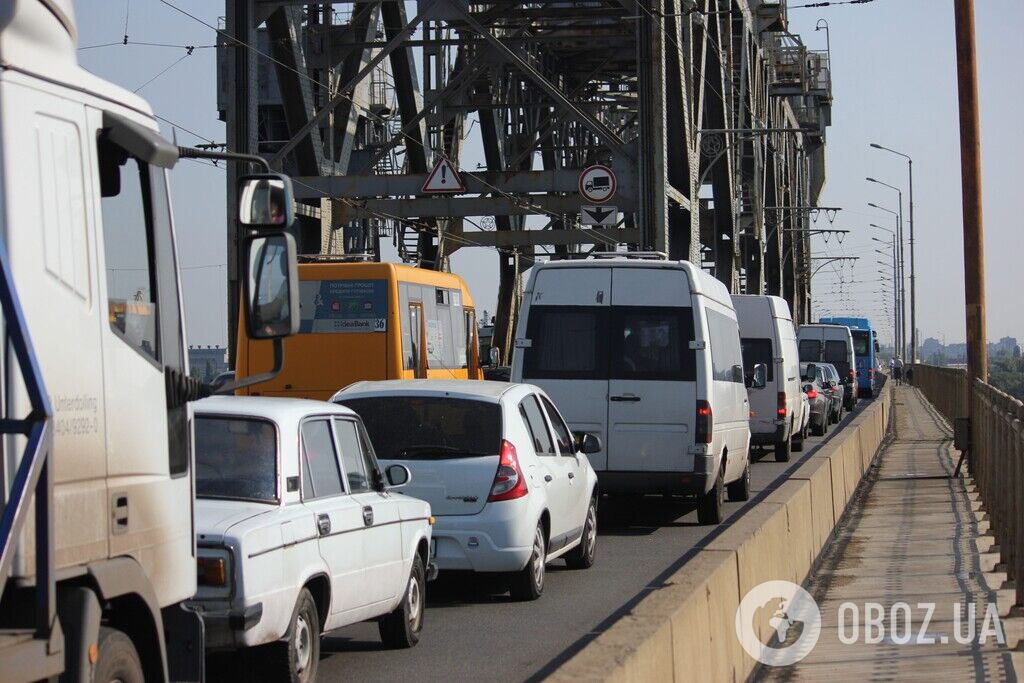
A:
[811,393]
[705,423]
[509,482]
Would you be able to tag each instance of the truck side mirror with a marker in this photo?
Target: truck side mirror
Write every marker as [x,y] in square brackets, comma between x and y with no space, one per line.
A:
[266,201]
[271,286]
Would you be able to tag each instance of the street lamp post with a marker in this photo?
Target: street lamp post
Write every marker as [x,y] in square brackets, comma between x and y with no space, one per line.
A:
[913,273]
[897,294]
[898,217]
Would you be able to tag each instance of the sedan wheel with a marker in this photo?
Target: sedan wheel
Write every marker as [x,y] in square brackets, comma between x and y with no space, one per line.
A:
[401,628]
[528,583]
[296,658]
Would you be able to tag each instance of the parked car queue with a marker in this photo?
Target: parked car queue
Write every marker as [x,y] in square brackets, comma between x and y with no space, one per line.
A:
[315,515]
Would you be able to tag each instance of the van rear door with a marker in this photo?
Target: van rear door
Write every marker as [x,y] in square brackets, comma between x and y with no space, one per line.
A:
[652,387]
[567,329]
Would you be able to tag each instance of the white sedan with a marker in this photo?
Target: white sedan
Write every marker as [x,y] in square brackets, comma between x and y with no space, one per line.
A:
[297,532]
[510,485]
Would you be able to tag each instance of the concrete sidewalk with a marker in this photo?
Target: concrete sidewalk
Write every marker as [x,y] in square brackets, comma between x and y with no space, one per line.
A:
[912,536]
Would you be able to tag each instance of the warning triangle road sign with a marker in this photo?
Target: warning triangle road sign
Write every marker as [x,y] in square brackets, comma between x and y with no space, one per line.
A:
[443,178]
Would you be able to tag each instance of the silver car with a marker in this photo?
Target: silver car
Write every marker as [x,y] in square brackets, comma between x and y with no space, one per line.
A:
[816,387]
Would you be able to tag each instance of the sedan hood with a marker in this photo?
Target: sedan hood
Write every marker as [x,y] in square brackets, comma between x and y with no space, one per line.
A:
[215,517]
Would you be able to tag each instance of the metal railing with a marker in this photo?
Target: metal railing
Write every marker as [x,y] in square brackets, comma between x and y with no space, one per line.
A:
[996,457]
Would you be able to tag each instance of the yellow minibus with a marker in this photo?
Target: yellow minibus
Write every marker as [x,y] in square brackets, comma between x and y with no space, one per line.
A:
[368,321]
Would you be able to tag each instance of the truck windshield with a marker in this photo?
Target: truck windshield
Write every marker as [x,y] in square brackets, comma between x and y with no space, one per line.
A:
[428,427]
[236,458]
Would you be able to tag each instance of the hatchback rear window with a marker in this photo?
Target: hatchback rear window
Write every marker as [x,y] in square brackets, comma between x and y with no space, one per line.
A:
[429,428]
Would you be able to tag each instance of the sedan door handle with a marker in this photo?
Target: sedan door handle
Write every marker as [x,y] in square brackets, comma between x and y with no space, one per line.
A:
[631,399]
[572,476]
[323,524]
[547,477]
[367,515]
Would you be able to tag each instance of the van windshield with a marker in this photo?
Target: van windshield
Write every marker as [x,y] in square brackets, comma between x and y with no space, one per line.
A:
[429,427]
[758,351]
[838,354]
[236,458]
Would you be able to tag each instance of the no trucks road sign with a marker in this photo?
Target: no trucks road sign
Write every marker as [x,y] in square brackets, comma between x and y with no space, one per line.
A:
[597,184]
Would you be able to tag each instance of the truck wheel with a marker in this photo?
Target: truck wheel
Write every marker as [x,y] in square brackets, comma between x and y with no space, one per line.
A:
[528,582]
[782,450]
[116,658]
[582,556]
[710,507]
[296,657]
[401,629]
[739,490]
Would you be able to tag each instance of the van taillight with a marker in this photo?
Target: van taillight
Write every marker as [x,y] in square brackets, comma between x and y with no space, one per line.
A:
[509,482]
[781,410]
[705,422]
[851,373]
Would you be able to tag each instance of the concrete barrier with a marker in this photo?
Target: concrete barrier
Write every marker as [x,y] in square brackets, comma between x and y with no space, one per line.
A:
[684,629]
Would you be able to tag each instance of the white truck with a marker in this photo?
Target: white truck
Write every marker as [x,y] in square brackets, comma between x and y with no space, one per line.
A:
[97,545]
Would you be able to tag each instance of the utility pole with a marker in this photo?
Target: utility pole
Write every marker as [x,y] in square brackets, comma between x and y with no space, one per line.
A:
[970,172]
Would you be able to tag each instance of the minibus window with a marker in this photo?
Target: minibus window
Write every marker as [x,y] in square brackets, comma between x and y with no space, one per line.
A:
[758,351]
[652,344]
[810,350]
[838,354]
[567,342]
[724,340]
[861,344]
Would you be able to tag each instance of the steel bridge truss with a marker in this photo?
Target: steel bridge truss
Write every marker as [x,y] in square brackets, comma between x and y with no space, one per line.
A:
[707,111]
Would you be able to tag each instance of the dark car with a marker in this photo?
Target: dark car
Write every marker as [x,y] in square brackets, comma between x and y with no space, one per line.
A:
[836,391]
[812,376]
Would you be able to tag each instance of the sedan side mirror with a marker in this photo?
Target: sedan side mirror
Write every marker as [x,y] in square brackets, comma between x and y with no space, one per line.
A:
[398,475]
[271,286]
[758,378]
[587,443]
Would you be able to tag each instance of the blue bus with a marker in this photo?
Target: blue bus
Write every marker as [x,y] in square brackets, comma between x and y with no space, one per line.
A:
[865,344]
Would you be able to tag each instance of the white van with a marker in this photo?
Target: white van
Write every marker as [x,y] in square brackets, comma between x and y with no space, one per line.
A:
[646,355]
[831,344]
[767,336]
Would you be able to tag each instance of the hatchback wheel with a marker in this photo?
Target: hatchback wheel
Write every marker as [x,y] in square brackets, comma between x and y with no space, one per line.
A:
[582,556]
[528,582]
[401,628]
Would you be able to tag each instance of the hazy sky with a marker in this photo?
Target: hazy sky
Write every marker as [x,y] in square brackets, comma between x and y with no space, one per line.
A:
[894,82]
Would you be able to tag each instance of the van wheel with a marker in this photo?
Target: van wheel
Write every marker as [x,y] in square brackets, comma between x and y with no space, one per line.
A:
[296,657]
[401,629]
[821,429]
[739,490]
[797,442]
[116,658]
[582,556]
[782,450]
[528,583]
[711,506]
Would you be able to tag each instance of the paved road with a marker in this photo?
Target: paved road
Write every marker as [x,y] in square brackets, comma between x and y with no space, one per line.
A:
[472,631]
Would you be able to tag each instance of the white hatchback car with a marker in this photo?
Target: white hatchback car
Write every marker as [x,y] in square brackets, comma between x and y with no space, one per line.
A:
[298,534]
[511,487]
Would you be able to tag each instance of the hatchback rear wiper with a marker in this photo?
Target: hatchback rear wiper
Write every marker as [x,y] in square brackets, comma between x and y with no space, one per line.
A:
[438,451]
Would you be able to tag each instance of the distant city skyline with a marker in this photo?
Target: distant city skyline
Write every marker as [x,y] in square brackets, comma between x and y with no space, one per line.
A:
[894,83]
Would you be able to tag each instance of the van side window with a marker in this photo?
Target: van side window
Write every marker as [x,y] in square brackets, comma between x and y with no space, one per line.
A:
[129,249]
[538,428]
[838,354]
[758,351]
[810,350]
[651,343]
[320,474]
[566,446]
[725,347]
